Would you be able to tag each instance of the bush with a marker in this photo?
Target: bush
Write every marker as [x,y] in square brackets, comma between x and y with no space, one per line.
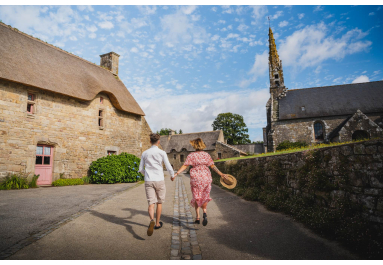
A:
[68,182]
[291,145]
[86,180]
[120,168]
[33,183]
[14,181]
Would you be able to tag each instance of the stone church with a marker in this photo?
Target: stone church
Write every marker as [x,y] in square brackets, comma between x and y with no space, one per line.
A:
[59,112]
[178,147]
[320,114]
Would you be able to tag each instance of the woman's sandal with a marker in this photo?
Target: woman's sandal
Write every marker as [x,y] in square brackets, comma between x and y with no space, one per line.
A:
[158,227]
[197,221]
[204,219]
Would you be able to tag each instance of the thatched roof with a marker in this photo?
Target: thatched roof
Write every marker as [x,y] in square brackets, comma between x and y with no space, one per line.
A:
[32,62]
[232,148]
[180,141]
[332,100]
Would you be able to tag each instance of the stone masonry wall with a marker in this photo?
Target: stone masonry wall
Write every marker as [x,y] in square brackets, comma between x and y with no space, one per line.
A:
[331,176]
[70,125]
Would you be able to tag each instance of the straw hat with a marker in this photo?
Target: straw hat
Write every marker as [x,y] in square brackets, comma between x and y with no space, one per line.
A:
[229,183]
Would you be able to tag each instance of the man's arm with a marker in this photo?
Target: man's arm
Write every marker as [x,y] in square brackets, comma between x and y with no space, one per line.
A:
[142,163]
[167,164]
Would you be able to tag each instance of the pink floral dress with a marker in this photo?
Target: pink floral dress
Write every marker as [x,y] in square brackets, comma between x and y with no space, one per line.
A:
[200,176]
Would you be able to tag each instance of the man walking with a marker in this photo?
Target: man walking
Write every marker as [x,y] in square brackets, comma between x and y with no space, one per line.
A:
[151,167]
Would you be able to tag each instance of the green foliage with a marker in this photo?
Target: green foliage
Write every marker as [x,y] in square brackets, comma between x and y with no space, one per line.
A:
[180,132]
[166,131]
[257,142]
[233,127]
[285,145]
[120,168]
[86,180]
[14,181]
[67,182]
[33,183]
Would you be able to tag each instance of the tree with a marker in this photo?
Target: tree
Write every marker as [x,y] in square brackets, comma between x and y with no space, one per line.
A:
[233,127]
[180,132]
[166,131]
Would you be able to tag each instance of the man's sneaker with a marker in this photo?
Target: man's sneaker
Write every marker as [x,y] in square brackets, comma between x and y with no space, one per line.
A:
[151,227]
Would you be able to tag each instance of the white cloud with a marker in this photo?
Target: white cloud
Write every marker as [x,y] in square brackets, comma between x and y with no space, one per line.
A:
[312,45]
[259,68]
[92,35]
[376,72]
[318,8]
[276,15]
[88,8]
[371,14]
[301,15]
[214,9]
[361,79]
[73,38]
[215,37]
[187,10]
[283,24]
[329,16]
[106,25]
[91,28]
[337,80]
[242,27]
[258,12]
[221,21]
[147,10]
[134,49]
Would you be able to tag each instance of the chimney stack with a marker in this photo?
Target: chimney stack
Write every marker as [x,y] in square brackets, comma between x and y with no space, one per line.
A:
[110,62]
[172,132]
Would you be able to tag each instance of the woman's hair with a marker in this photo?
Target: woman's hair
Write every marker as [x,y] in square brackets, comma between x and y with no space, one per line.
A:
[154,137]
[198,144]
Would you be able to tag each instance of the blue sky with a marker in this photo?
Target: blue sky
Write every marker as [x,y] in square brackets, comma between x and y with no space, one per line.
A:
[186,64]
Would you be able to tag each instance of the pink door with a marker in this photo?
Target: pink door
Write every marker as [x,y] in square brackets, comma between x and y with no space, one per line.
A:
[44,164]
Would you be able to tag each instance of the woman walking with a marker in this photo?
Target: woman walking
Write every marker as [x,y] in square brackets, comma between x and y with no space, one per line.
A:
[200,177]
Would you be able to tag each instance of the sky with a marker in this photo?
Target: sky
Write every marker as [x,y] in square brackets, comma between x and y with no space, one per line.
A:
[186,64]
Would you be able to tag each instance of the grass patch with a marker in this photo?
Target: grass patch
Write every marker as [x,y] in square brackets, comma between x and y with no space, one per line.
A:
[292,150]
[67,182]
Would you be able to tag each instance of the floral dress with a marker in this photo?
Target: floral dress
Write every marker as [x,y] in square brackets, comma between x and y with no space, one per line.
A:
[200,176]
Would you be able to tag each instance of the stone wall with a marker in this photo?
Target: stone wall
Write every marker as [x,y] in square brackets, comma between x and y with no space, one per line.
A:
[251,148]
[68,124]
[145,132]
[334,190]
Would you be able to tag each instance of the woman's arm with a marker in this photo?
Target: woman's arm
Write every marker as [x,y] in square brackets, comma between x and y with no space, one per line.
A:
[180,170]
[217,170]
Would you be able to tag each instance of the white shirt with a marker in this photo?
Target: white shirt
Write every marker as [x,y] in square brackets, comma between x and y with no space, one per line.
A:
[152,159]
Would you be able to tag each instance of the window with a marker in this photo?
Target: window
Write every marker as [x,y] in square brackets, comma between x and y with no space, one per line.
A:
[303,108]
[101,118]
[111,152]
[318,130]
[360,135]
[219,156]
[174,156]
[277,83]
[31,103]
[182,158]
[101,100]
[43,155]
[276,76]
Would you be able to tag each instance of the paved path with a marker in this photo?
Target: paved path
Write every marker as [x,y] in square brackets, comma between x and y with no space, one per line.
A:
[237,229]
[24,213]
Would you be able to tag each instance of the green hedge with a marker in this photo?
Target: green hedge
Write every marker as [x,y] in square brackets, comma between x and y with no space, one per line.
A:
[120,168]
[68,182]
[285,145]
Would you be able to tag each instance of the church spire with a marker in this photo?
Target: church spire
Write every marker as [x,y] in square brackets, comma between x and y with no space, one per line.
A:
[277,86]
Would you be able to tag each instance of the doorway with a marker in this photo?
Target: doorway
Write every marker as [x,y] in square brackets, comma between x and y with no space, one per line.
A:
[44,164]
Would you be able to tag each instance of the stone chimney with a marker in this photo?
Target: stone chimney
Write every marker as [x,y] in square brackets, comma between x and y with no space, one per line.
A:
[172,132]
[110,62]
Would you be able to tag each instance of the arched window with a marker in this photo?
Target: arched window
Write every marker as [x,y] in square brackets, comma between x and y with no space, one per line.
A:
[360,135]
[318,130]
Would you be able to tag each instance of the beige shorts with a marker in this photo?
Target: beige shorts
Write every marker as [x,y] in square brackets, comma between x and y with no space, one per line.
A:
[155,191]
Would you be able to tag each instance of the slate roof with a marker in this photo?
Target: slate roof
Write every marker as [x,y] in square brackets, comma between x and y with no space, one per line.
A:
[32,62]
[180,141]
[233,148]
[332,100]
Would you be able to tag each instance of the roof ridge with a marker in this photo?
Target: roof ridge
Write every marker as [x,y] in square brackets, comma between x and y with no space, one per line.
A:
[188,133]
[49,45]
[333,85]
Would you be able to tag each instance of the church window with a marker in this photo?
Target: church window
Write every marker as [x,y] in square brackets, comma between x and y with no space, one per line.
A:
[182,158]
[31,103]
[277,83]
[276,76]
[318,130]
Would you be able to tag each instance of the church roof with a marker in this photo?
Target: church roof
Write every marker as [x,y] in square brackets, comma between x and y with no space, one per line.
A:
[332,100]
[32,62]
[180,141]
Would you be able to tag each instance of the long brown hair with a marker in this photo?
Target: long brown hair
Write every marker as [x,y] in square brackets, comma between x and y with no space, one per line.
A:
[198,144]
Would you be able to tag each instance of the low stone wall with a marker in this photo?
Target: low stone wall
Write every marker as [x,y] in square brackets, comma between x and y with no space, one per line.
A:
[250,148]
[337,191]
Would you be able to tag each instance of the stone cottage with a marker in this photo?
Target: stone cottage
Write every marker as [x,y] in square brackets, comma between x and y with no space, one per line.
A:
[178,146]
[59,112]
[320,114]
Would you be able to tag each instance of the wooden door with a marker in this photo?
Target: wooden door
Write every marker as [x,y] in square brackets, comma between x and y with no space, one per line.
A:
[44,164]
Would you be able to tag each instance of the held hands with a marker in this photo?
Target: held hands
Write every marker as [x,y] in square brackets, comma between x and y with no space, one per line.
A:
[224,176]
